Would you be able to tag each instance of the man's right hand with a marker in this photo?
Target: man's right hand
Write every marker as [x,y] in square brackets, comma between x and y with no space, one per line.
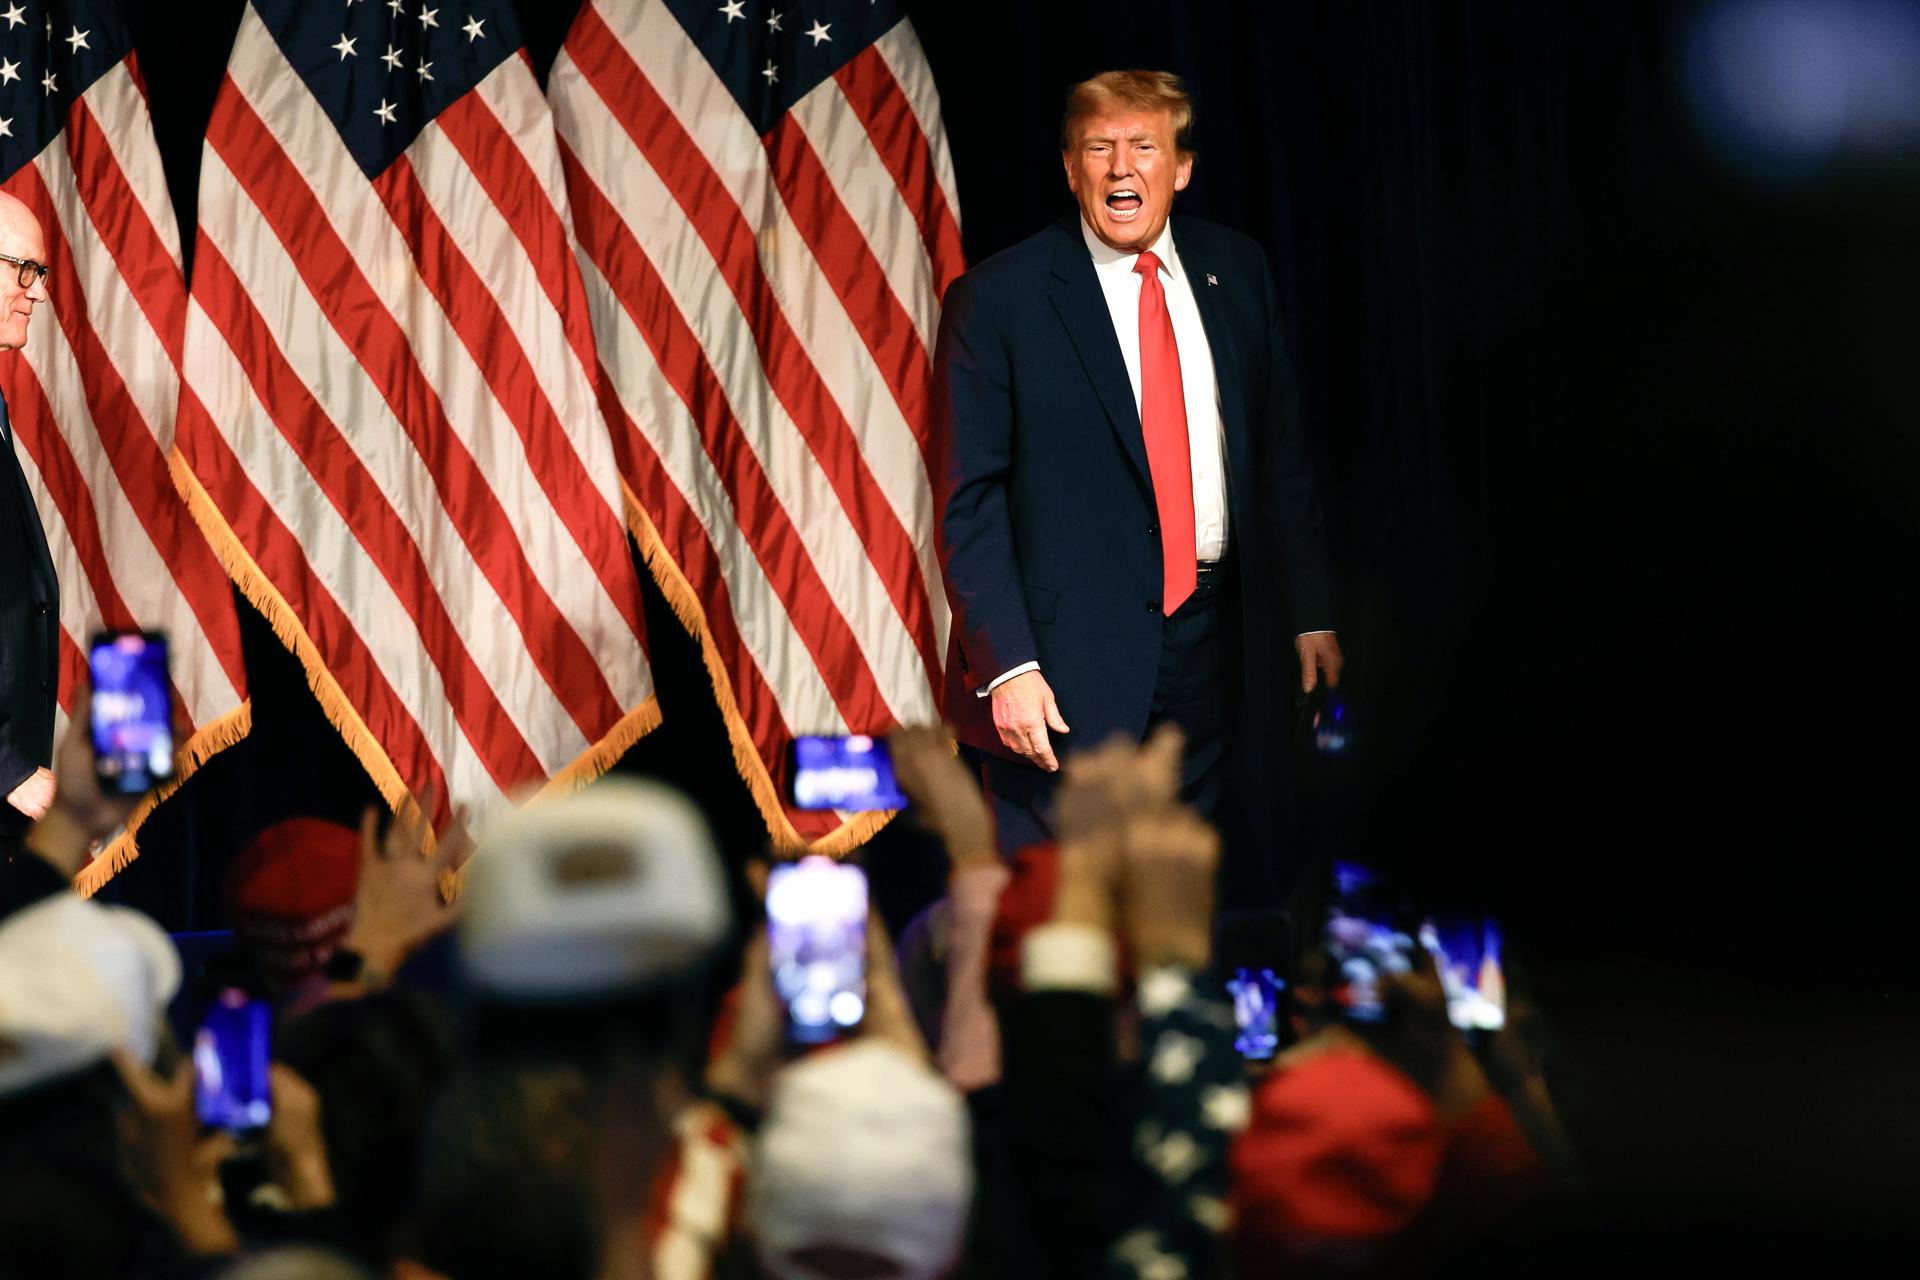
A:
[34,796]
[1023,711]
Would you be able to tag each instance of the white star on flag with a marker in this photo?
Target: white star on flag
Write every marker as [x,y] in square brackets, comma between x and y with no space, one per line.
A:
[384,111]
[819,32]
[869,216]
[398,12]
[392,58]
[9,71]
[773,21]
[50,82]
[427,18]
[78,39]
[425,70]
[473,29]
[6,127]
[16,17]
[345,47]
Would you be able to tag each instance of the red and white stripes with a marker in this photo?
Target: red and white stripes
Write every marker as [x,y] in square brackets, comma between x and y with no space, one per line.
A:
[391,406]
[92,399]
[765,309]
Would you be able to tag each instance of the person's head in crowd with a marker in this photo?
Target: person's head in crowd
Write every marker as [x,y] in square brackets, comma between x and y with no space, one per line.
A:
[589,928]
[507,1185]
[376,1064]
[862,1168]
[78,981]
[289,896]
[67,1206]
[592,916]
[1341,1154]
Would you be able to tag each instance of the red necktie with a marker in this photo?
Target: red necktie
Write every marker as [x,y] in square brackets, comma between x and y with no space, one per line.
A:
[1163,421]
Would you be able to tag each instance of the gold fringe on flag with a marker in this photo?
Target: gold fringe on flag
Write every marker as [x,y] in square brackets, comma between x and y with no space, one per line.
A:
[686,606]
[339,710]
[212,738]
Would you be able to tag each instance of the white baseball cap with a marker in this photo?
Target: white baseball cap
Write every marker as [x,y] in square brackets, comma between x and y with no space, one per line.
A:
[862,1147]
[604,890]
[78,980]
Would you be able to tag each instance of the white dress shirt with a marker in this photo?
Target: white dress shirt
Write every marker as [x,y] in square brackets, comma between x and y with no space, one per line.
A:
[1206,438]
[1206,441]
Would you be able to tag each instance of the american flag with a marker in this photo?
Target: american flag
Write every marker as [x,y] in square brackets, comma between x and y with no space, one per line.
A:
[766,216]
[92,394]
[391,398]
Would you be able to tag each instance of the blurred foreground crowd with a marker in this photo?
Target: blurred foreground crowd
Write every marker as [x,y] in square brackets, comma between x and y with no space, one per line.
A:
[553,1052]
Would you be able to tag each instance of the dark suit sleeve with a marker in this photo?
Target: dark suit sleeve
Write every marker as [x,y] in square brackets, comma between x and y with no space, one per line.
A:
[14,767]
[1296,527]
[16,602]
[973,390]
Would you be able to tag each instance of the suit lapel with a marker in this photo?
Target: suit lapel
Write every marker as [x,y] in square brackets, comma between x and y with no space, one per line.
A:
[33,537]
[1202,267]
[1083,310]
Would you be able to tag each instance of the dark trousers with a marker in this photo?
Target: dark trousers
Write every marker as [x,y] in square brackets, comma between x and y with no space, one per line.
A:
[1198,687]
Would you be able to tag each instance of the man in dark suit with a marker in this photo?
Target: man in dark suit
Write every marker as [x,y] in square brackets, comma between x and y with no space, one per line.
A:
[1129,528]
[29,592]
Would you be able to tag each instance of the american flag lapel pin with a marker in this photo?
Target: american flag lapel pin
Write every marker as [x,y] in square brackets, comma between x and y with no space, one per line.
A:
[1212,278]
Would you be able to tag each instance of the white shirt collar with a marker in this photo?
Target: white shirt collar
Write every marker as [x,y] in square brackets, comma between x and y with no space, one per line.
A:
[1109,260]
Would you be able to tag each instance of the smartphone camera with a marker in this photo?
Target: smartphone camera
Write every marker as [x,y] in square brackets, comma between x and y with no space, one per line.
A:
[1253,948]
[1256,1011]
[132,716]
[1324,722]
[230,1056]
[1466,952]
[1366,942]
[852,772]
[817,937]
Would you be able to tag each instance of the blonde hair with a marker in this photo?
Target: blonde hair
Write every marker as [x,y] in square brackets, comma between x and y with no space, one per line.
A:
[1130,90]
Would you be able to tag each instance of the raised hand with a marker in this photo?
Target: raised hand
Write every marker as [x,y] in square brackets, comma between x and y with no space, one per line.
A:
[945,794]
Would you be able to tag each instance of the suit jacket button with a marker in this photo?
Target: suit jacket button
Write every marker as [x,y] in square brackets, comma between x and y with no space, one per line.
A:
[1153,606]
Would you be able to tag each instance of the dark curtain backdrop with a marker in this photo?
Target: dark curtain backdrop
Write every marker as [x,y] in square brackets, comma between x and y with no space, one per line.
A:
[1619,457]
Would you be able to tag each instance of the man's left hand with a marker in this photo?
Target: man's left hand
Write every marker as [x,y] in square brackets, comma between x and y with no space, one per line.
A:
[1319,656]
[34,796]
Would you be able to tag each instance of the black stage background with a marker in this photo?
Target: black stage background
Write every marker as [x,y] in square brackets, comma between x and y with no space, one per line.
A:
[1619,452]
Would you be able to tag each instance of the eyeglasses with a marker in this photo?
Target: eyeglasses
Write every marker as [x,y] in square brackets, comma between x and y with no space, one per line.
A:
[30,271]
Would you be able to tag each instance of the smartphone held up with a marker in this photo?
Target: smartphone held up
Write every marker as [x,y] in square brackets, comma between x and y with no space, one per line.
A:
[817,943]
[1371,935]
[849,772]
[231,1054]
[132,712]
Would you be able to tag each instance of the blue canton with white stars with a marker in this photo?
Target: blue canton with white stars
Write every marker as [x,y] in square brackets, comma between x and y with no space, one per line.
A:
[50,54]
[383,69]
[772,53]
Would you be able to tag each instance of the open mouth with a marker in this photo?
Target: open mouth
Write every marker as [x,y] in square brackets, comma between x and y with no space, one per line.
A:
[1124,204]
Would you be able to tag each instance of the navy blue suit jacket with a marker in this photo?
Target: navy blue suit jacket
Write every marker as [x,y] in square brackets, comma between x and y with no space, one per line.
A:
[29,633]
[1048,531]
